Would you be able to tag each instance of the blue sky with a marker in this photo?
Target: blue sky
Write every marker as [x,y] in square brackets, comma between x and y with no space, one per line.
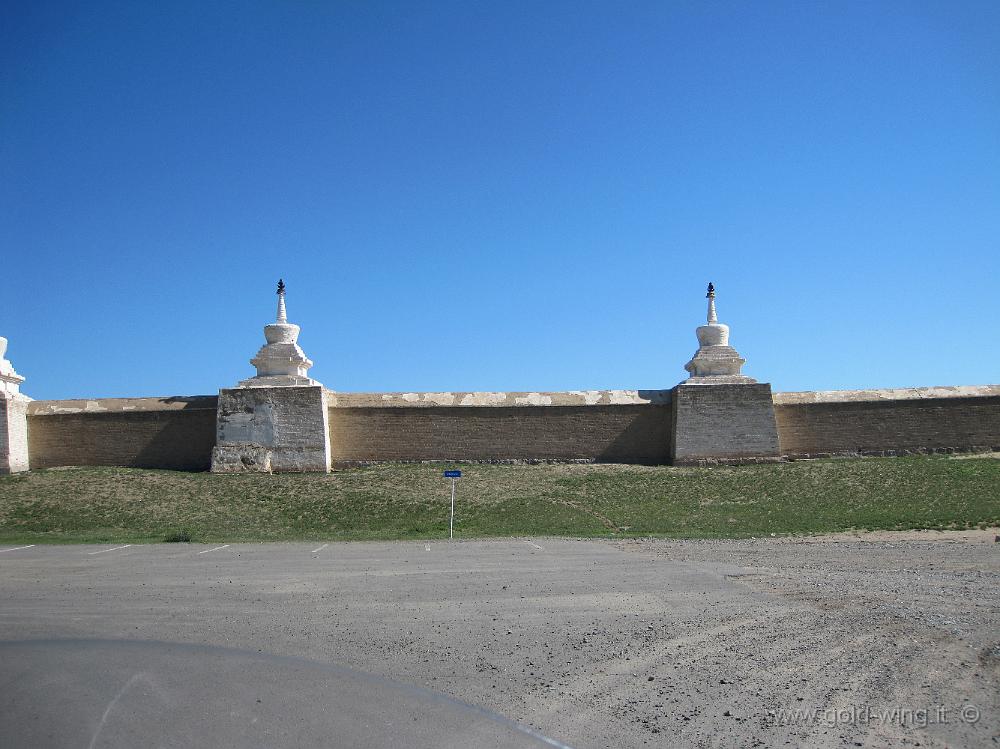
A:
[500,195]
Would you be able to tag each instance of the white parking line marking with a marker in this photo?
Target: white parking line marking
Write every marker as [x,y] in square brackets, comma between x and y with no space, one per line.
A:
[215,549]
[102,551]
[532,543]
[16,548]
[319,549]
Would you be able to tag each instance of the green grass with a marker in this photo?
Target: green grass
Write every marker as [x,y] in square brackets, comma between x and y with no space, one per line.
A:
[411,501]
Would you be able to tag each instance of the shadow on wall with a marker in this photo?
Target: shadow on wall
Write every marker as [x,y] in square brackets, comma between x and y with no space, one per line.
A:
[183,441]
[176,439]
[644,438]
[657,397]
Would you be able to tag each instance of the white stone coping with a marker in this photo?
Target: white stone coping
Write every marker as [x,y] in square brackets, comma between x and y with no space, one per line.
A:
[499,399]
[120,405]
[888,394]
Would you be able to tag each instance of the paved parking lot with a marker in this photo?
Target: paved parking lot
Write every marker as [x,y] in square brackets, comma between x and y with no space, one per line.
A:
[581,643]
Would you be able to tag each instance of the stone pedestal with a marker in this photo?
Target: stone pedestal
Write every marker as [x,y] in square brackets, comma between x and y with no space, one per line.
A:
[13,433]
[272,430]
[723,423]
[13,417]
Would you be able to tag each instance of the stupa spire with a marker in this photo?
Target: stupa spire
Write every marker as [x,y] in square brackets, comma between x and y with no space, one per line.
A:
[712,317]
[282,315]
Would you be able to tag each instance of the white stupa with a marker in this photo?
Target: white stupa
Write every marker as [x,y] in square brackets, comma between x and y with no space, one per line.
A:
[10,381]
[281,362]
[715,362]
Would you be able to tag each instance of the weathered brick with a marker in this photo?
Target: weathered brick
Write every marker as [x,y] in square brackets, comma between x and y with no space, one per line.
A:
[602,433]
[729,423]
[271,429]
[13,434]
[175,433]
[872,427]
[716,425]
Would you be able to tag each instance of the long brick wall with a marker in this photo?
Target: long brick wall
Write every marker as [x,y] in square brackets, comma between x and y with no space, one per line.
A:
[888,422]
[600,426]
[176,433]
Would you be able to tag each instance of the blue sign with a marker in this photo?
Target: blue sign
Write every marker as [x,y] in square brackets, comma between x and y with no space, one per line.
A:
[453,474]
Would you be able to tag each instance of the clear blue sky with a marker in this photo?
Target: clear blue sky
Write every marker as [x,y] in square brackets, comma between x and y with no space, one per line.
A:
[500,195]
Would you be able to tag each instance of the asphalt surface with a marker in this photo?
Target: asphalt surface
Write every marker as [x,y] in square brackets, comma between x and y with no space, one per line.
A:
[519,642]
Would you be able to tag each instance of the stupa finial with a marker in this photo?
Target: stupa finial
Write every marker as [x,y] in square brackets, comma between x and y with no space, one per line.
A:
[712,317]
[282,315]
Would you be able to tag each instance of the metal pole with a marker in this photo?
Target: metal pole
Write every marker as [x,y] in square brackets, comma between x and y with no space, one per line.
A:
[451,524]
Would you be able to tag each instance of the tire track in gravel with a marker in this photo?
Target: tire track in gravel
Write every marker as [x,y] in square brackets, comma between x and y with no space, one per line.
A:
[603,519]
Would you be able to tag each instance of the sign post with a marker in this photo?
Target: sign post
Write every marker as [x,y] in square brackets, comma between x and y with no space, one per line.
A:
[454,476]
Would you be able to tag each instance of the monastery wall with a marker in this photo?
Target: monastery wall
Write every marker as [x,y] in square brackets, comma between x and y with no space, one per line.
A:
[615,426]
[611,426]
[888,422]
[176,433]
[283,420]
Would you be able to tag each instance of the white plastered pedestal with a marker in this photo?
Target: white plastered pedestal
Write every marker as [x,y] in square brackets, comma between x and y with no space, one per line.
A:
[272,430]
[13,417]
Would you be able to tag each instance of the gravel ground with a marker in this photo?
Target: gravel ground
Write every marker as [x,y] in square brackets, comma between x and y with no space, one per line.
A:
[875,640]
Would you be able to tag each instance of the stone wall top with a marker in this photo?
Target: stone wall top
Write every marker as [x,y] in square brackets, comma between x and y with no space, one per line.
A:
[501,399]
[567,398]
[120,405]
[888,394]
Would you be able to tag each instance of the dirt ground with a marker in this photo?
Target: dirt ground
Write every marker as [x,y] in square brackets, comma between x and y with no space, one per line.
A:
[876,639]
[863,639]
